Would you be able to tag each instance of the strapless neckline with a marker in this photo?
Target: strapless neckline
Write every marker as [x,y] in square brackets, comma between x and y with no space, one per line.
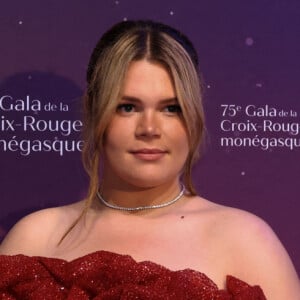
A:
[106,275]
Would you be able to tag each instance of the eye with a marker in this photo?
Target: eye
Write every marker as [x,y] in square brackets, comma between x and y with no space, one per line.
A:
[125,108]
[173,109]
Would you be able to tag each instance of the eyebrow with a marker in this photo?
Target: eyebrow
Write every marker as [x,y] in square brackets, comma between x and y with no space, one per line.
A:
[137,100]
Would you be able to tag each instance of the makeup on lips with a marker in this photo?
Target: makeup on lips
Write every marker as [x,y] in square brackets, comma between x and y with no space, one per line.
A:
[149,154]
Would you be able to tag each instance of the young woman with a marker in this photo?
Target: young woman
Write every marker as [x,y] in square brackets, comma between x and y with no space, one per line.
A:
[142,220]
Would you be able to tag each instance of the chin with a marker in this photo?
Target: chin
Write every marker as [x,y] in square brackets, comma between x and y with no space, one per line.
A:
[151,182]
[142,177]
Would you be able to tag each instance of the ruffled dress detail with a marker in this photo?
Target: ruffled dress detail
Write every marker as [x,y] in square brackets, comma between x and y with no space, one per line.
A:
[105,275]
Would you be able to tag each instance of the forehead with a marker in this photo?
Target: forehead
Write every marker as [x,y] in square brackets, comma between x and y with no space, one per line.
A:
[143,76]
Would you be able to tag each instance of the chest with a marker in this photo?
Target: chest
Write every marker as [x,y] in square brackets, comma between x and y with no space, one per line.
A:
[176,243]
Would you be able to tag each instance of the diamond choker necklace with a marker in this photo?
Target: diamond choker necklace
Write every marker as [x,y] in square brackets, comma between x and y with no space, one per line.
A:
[182,190]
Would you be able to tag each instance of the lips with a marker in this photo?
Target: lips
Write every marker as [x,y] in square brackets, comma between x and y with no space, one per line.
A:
[148,154]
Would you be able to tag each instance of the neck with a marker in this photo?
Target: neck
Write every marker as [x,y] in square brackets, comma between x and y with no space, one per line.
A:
[128,196]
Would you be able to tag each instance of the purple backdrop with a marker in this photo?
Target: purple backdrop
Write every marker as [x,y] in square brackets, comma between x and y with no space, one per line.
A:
[249,61]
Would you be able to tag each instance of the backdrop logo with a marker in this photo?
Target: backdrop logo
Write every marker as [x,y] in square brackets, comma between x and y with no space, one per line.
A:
[262,127]
[29,125]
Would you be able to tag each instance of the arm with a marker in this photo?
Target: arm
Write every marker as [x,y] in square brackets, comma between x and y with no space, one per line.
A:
[265,261]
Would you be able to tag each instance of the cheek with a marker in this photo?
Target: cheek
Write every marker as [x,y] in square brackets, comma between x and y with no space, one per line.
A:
[180,146]
[116,137]
[180,137]
[113,142]
[185,149]
[112,133]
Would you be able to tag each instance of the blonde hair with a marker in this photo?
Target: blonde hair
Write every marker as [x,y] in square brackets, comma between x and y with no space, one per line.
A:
[126,42]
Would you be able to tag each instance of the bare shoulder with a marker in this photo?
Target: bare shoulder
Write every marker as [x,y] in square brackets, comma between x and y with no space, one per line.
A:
[241,228]
[36,232]
[256,254]
[264,259]
[232,220]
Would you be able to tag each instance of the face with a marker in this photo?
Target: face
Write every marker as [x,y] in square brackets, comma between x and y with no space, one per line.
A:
[146,144]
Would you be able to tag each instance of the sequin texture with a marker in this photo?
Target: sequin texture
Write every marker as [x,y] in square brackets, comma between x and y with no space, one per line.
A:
[105,275]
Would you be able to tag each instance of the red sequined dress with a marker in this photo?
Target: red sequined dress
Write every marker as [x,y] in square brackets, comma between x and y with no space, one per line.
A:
[110,276]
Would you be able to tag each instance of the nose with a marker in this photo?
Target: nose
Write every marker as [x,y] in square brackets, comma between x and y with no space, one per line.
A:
[148,125]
